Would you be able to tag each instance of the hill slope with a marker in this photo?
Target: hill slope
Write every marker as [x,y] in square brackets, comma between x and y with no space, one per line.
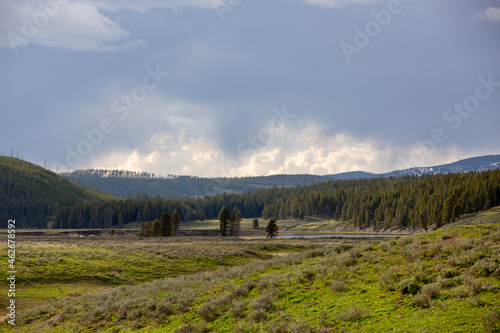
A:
[125,183]
[31,194]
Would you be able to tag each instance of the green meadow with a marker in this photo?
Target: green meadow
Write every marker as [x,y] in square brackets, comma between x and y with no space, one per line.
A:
[446,280]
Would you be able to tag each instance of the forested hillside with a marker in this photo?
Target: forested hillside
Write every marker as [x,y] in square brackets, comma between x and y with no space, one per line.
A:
[31,194]
[128,184]
[404,202]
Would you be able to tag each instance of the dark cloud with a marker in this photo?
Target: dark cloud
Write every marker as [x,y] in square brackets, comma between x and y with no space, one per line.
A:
[227,76]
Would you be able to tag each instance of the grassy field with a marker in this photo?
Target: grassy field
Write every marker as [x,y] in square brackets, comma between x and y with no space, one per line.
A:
[447,280]
[52,268]
[312,224]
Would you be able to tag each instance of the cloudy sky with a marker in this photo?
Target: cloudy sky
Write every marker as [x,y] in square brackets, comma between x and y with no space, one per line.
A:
[249,87]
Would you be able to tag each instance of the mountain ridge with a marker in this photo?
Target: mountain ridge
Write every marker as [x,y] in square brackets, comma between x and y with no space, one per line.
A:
[478,163]
[124,183]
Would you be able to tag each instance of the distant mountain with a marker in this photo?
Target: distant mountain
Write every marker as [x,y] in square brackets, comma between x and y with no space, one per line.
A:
[133,184]
[127,184]
[353,175]
[32,195]
[481,163]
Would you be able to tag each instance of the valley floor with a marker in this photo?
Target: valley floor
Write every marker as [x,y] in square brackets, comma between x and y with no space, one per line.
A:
[446,280]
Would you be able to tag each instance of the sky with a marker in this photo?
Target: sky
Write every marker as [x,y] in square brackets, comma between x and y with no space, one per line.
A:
[249,87]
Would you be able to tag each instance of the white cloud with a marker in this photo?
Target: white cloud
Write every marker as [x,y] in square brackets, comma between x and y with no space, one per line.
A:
[167,153]
[491,14]
[305,148]
[77,26]
[337,3]
[142,6]
[311,150]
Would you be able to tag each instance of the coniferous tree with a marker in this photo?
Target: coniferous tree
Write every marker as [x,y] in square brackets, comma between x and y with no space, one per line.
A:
[224,217]
[167,229]
[267,212]
[120,220]
[202,215]
[235,222]
[143,232]
[272,229]
[255,223]
[149,227]
[176,222]
[404,202]
[282,213]
[156,228]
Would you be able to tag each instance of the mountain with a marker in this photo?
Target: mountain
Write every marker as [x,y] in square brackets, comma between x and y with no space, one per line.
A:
[132,184]
[481,163]
[32,195]
[129,184]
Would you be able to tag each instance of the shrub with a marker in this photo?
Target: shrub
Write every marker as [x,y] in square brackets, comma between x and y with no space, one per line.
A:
[446,236]
[306,275]
[192,328]
[385,246]
[339,285]
[135,314]
[447,283]
[491,321]
[449,273]
[370,257]
[403,241]
[163,310]
[56,320]
[409,286]
[474,286]
[342,248]
[208,311]
[351,313]
[432,290]
[296,327]
[413,250]
[484,267]
[388,280]
[434,249]
[237,309]
[263,302]
[423,298]
[476,302]
[268,282]
[258,315]
[421,277]
[243,289]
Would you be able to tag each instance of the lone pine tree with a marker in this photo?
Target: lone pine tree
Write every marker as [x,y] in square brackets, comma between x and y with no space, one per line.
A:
[224,217]
[166,225]
[272,229]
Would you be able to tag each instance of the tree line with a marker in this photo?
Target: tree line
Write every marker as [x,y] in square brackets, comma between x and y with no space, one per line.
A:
[166,227]
[394,202]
